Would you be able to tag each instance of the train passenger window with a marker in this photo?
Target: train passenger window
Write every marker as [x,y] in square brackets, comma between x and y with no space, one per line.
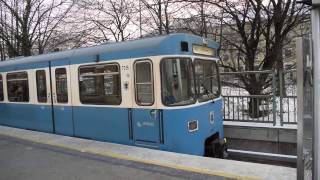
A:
[100,84]
[144,83]
[18,87]
[177,82]
[41,86]
[1,89]
[207,79]
[61,85]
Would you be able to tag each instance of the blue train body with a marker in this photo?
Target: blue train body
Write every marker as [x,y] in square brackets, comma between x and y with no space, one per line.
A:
[160,92]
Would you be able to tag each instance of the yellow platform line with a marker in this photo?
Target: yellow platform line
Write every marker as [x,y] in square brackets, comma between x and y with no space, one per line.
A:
[138,160]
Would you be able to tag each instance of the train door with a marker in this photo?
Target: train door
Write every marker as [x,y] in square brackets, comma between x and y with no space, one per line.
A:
[43,90]
[61,99]
[145,117]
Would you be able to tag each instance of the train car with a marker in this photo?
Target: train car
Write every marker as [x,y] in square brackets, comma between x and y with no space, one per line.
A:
[161,92]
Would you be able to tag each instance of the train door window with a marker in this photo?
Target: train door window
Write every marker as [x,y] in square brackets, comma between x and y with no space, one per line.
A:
[100,84]
[18,87]
[1,89]
[61,85]
[41,86]
[144,83]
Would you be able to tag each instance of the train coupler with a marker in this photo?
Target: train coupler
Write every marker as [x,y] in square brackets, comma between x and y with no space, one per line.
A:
[220,148]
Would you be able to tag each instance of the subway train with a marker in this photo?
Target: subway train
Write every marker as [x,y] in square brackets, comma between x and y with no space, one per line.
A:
[160,92]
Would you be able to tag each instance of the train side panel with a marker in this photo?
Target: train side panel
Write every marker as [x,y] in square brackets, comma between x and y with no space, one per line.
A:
[101,123]
[26,116]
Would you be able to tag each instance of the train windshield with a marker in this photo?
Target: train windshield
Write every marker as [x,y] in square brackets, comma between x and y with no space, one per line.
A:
[207,79]
[177,79]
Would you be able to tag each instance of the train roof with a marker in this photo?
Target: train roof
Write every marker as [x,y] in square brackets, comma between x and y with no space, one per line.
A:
[153,46]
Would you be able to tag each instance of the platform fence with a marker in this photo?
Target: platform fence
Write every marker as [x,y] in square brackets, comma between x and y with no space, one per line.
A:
[276,103]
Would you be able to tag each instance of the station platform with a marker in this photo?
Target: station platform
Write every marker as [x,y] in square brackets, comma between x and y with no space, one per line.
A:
[28,154]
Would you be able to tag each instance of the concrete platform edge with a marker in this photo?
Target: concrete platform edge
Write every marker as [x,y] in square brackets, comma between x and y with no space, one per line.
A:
[210,166]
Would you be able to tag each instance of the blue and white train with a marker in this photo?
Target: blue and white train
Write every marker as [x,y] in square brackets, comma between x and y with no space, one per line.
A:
[161,92]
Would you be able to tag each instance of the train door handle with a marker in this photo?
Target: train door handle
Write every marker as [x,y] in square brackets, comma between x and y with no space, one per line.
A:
[54,98]
[153,113]
[49,97]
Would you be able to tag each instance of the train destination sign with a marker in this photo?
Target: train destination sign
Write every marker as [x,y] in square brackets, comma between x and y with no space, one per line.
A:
[203,50]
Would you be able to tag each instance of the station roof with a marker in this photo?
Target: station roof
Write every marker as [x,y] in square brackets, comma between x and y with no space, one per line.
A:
[153,46]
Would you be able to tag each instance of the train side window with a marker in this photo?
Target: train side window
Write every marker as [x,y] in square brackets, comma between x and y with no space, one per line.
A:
[100,84]
[144,83]
[1,89]
[41,86]
[61,85]
[18,87]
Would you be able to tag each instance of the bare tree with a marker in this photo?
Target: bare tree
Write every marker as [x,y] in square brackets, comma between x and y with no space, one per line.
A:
[252,27]
[156,10]
[161,14]
[200,19]
[29,24]
[111,18]
[47,23]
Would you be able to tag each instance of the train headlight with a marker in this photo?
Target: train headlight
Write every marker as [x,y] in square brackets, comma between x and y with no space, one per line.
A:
[211,117]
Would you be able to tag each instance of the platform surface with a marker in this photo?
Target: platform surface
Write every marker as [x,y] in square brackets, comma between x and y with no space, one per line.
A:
[24,160]
[27,155]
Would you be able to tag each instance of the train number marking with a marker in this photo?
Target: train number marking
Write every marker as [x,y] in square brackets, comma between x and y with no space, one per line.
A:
[125,68]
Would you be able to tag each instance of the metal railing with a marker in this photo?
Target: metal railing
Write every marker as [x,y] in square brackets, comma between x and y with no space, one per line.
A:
[289,110]
[236,108]
[278,108]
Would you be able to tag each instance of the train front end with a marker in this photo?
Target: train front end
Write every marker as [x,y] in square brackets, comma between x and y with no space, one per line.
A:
[192,103]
